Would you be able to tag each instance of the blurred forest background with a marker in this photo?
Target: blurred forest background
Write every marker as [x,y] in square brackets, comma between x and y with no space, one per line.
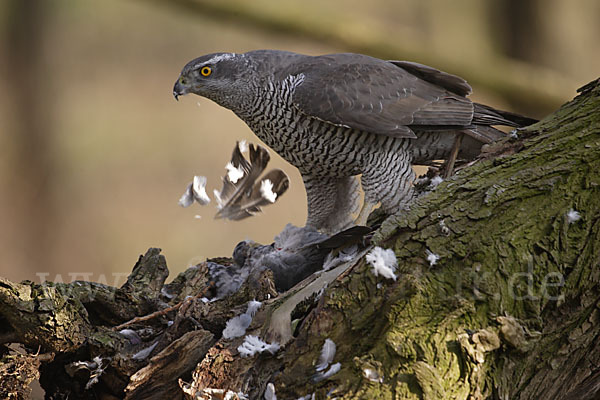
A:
[95,152]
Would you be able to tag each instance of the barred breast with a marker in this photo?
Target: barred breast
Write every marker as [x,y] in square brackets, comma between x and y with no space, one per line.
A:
[313,146]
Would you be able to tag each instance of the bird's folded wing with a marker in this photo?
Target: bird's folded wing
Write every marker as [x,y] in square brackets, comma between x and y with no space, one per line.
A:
[377,96]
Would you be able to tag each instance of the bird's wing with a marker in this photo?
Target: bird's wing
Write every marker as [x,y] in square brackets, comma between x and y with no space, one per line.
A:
[377,96]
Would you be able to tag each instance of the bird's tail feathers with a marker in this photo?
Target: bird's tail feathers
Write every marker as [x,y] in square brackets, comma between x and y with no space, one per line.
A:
[486,115]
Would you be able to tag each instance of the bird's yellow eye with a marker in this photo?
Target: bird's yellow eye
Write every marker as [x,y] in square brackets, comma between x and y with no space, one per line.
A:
[206,71]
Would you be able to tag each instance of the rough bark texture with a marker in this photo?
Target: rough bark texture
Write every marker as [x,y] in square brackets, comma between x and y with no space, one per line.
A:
[510,310]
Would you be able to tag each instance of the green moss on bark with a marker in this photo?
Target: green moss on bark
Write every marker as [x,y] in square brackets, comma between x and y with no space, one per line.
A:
[513,295]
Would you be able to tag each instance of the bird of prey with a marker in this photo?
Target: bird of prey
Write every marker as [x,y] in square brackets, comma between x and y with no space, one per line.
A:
[341,115]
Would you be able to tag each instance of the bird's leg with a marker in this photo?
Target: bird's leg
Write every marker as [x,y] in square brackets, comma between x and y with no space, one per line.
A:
[390,182]
[347,204]
[320,196]
[331,202]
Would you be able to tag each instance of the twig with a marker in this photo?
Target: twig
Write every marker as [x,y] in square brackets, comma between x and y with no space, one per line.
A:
[163,311]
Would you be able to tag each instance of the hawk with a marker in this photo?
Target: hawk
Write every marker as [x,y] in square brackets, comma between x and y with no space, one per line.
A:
[337,116]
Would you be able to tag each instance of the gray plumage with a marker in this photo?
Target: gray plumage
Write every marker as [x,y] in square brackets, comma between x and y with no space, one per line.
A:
[295,254]
[340,115]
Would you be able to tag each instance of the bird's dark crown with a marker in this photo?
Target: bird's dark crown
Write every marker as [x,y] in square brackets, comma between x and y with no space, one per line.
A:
[207,60]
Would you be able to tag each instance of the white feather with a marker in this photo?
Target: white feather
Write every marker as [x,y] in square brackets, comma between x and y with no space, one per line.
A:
[187,198]
[230,395]
[243,146]
[199,189]
[384,262]
[334,369]
[573,216]
[196,191]
[327,354]
[253,307]
[372,375]
[253,345]
[237,326]
[234,173]
[432,257]
[266,190]
[270,392]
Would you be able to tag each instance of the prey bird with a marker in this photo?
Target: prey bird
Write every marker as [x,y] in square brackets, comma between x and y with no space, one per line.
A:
[341,115]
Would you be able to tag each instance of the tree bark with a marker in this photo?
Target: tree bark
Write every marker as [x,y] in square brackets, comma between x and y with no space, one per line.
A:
[510,310]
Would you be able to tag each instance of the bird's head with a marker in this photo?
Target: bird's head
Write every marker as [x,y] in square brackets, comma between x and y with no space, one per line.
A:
[213,76]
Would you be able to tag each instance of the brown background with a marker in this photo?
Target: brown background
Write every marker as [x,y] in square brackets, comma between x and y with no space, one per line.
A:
[95,152]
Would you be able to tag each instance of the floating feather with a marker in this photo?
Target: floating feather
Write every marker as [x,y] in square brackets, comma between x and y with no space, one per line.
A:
[243,194]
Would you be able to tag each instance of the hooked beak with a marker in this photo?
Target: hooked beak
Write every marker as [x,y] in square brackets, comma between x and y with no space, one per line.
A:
[179,89]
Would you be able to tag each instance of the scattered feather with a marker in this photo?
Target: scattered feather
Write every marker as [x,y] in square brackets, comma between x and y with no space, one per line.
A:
[187,198]
[432,257]
[573,216]
[234,173]
[307,397]
[237,326]
[95,374]
[132,335]
[253,307]
[220,202]
[372,375]
[435,181]
[144,353]
[243,146]
[199,190]
[514,134]
[327,354]
[270,392]
[196,191]
[334,369]
[347,254]
[253,345]
[243,193]
[231,395]
[95,368]
[266,190]
[384,262]
[166,293]
[197,216]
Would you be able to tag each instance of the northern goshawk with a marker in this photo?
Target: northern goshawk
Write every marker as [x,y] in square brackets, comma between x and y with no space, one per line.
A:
[340,115]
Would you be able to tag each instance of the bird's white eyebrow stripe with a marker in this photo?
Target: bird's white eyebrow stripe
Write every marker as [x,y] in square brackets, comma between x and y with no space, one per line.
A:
[216,59]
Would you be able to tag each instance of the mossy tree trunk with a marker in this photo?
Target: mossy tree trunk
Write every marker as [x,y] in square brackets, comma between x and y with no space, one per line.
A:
[510,310]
